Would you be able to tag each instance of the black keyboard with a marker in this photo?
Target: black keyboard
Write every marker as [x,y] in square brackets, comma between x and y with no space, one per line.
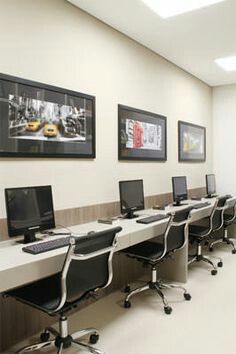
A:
[201,205]
[46,246]
[152,218]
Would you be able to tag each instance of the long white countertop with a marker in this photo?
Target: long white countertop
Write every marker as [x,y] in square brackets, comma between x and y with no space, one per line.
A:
[18,268]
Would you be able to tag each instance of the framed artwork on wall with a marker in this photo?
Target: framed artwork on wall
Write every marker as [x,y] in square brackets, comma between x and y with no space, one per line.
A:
[39,120]
[192,142]
[141,135]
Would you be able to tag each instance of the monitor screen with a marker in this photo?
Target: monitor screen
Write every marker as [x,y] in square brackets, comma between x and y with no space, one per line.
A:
[210,184]
[131,197]
[29,209]
[179,185]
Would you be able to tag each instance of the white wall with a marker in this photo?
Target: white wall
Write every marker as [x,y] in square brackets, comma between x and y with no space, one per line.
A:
[224,128]
[53,42]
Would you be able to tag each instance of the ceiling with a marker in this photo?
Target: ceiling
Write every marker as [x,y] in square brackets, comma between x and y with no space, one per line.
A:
[192,40]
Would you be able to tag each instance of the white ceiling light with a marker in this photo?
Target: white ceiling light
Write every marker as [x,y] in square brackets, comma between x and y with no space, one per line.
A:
[169,8]
[227,63]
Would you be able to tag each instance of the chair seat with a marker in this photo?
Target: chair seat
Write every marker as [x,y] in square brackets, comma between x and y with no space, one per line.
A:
[198,230]
[43,294]
[146,250]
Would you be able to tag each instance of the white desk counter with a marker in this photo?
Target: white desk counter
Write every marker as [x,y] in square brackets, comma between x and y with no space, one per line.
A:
[18,268]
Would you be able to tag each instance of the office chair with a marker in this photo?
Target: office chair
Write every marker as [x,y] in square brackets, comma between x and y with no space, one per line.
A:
[87,268]
[152,253]
[201,234]
[229,217]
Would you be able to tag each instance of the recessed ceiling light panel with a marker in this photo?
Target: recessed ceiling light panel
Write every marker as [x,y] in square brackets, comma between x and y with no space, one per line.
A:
[170,8]
[227,63]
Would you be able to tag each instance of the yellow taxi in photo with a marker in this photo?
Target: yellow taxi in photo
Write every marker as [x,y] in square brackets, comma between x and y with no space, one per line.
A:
[33,125]
[50,130]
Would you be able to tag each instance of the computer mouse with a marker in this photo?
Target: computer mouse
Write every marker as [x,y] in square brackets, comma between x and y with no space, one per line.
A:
[50,233]
[91,233]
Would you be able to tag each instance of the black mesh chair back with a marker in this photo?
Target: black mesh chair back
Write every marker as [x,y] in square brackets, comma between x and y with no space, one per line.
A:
[229,214]
[218,211]
[176,233]
[88,264]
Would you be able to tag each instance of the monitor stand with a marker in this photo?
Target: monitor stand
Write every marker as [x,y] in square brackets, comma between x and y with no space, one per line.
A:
[130,215]
[178,203]
[28,238]
[211,196]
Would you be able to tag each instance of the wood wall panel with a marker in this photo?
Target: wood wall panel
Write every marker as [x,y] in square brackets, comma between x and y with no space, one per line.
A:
[18,321]
[75,216]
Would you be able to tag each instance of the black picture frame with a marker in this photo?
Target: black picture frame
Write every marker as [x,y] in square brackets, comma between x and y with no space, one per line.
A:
[191,142]
[151,141]
[41,120]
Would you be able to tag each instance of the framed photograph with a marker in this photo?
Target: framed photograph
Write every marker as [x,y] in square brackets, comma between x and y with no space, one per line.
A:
[141,135]
[38,120]
[192,142]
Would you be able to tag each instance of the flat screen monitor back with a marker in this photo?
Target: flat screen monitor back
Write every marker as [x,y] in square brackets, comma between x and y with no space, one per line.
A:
[179,186]
[29,210]
[210,185]
[131,197]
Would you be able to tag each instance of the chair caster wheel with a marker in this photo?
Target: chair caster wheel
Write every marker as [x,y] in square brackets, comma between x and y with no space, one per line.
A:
[187,296]
[93,338]
[211,249]
[234,251]
[44,337]
[220,264]
[214,272]
[127,304]
[127,289]
[168,310]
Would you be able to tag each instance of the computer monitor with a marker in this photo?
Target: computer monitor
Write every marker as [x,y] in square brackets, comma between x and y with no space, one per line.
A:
[29,210]
[179,186]
[210,185]
[131,197]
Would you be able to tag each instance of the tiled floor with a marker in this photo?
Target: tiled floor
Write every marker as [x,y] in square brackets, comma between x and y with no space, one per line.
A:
[204,325]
